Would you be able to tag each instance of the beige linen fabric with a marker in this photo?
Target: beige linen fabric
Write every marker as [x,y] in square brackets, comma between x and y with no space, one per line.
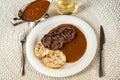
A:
[95,12]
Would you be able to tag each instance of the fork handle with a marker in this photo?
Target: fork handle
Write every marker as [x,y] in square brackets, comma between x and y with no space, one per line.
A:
[22,62]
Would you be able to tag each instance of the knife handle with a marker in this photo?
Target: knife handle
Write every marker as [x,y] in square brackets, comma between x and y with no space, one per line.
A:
[100,65]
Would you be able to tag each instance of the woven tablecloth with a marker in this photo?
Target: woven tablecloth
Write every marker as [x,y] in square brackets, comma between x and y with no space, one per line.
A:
[95,12]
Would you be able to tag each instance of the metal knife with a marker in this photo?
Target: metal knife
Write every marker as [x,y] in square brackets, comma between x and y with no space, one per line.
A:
[102,41]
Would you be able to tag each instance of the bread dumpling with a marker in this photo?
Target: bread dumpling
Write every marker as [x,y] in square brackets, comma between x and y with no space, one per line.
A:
[57,60]
[40,51]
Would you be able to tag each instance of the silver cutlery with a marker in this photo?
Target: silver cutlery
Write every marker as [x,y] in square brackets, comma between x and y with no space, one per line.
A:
[22,41]
[102,41]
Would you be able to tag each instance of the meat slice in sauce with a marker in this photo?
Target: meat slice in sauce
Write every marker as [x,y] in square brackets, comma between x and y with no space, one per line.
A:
[58,36]
[57,42]
[47,40]
[68,33]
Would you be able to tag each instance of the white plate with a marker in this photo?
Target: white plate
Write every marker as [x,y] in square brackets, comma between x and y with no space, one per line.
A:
[69,69]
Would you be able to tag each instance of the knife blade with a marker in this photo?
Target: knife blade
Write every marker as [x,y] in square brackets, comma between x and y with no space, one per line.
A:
[102,41]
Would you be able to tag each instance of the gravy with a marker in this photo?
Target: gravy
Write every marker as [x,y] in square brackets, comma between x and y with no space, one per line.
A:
[35,10]
[75,49]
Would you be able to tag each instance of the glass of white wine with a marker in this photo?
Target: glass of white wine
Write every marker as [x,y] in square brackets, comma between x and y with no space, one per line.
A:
[65,6]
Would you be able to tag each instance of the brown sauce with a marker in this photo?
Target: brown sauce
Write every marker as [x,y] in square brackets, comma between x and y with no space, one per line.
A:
[35,10]
[75,49]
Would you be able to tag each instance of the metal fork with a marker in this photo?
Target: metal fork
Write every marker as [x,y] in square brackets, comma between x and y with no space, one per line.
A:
[22,41]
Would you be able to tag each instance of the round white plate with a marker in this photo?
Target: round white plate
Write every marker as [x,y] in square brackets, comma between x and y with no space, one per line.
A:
[69,69]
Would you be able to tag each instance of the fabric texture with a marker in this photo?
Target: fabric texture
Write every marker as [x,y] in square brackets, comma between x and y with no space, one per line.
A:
[95,12]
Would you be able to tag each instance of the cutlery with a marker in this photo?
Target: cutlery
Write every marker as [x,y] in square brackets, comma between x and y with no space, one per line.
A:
[22,41]
[102,41]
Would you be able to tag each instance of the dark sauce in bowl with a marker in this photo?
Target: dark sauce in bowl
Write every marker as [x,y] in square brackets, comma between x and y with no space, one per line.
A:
[35,10]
